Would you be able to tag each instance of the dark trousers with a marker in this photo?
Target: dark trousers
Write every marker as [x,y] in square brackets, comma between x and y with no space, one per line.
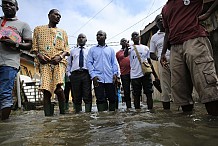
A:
[126,81]
[67,89]
[144,82]
[105,91]
[81,87]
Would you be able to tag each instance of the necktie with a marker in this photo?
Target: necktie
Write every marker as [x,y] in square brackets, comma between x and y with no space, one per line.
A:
[81,58]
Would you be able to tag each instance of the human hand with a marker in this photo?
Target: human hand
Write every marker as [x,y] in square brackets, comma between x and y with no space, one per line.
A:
[114,79]
[164,62]
[203,17]
[95,81]
[8,42]
[56,59]
[43,59]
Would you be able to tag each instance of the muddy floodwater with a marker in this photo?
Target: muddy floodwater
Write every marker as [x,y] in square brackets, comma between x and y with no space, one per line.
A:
[120,128]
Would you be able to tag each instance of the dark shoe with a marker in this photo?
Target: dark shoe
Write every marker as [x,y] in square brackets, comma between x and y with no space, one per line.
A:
[5,112]
[128,104]
[112,106]
[88,108]
[212,108]
[77,108]
[187,108]
[166,105]
[61,107]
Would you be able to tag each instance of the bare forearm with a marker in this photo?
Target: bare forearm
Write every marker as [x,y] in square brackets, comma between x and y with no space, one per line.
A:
[166,43]
[25,46]
[126,52]
[212,8]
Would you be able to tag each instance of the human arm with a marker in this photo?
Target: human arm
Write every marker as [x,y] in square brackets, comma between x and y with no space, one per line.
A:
[89,64]
[166,44]
[65,51]
[152,68]
[26,45]
[126,52]
[153,49]
[116,71]
[209,11]
[43,59]
[69,64]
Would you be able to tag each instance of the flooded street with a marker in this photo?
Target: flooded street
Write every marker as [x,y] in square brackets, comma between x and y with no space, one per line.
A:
[133,128]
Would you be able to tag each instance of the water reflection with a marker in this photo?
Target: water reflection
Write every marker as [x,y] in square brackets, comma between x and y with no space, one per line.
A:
[111,128]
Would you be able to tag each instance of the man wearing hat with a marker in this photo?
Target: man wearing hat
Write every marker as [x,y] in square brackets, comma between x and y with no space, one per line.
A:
[15,35]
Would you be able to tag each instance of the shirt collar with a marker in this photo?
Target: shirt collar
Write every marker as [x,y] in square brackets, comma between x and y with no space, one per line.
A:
[9,19]
[102,46]
[158,32]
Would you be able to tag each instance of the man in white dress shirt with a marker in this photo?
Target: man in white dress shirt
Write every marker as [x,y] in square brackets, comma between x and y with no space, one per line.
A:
[156,46]
[79,75]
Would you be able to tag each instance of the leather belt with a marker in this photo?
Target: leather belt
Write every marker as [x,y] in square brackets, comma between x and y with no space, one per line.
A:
[80,71]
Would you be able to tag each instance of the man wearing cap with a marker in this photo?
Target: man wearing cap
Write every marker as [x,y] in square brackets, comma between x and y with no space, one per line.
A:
[156,46]
[20,38]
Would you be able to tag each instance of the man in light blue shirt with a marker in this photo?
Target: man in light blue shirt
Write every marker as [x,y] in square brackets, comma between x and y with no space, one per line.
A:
[79,75]
[103,69]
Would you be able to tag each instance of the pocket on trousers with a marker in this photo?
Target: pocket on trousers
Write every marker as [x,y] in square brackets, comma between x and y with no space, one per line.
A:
[203,59]
[210,76]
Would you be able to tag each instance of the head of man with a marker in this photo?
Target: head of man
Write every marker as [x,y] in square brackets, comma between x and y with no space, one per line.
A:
[123,42]
[101,37]
[159,22]
[81,39]
[54,16]
[135,37]
[9,8]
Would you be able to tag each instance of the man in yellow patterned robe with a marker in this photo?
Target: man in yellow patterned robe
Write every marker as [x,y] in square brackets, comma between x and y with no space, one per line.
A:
[50,45]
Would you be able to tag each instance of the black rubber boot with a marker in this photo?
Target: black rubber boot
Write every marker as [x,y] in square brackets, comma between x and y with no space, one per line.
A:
[112,106]
[128,104]
[116,104]
[5,112]
[67,106]
[137,103]
[166,105]
[187,108]
[52,109]
[102,107]
[77,108]
[48,109]
[88,108]
[149,101]
[212,108]
[62,107]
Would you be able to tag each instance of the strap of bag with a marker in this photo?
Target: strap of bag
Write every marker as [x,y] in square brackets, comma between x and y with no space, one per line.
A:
[137,54]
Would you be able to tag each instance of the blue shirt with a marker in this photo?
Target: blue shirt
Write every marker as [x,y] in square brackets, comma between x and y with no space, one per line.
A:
[73,59]
[102,62]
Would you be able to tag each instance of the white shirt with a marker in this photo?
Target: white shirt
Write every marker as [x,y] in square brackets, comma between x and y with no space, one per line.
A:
[156,44]
[73,59]
[136,70]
